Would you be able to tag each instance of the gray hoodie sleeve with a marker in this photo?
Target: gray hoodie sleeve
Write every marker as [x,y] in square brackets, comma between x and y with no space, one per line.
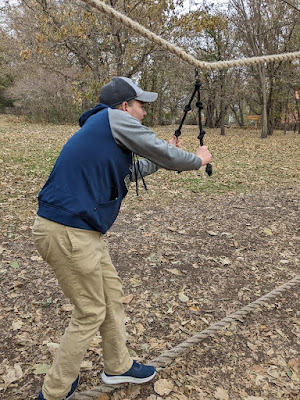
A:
[143,167]
[131,134]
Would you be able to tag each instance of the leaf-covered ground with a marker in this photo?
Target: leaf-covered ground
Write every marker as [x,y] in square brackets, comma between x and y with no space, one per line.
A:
[190,251]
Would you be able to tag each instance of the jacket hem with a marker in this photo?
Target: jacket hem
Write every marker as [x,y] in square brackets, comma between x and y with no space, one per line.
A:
[62,216]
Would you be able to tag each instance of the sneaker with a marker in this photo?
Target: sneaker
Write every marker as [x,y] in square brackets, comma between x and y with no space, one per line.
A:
[138,373]
[69,395]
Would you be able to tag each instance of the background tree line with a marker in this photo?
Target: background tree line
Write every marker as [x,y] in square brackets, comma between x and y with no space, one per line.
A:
[56,55]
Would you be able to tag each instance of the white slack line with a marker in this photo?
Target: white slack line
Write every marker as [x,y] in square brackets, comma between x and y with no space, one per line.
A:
[136,27]
[167,357]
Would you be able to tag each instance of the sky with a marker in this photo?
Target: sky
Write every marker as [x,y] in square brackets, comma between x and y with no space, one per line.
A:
[221,2]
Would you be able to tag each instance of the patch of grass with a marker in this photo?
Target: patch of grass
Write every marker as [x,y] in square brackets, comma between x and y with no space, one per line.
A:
[242,162]
[210,186]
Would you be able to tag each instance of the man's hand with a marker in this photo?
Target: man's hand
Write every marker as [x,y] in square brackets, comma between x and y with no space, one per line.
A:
[204,154]
[175,141]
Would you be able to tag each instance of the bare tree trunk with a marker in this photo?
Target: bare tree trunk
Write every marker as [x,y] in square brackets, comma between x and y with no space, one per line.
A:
[222,102]
[239,116]
[242,121]
[222,116]
[235,115]
[264,122]
[298,113]
[210,113]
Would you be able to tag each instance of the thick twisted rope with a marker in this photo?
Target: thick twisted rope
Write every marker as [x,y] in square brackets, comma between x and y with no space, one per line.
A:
[167,357]
[136,27]
[236,316]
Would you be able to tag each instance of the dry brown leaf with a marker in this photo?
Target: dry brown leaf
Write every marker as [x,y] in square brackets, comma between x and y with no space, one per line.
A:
[67,307]
[179,396]
[86,365]
[221,394]
[163,386]
[17,324]
[253,398]
[134,391]
[127,299]
[174,271]
[152,397]
[194,308]
[12,374]
[294,363]
[103,396]
[96,341]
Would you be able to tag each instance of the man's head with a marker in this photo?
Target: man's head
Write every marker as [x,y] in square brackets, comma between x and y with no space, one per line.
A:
[121,90]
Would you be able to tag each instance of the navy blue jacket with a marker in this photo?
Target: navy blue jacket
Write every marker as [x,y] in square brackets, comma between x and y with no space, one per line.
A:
[90,177]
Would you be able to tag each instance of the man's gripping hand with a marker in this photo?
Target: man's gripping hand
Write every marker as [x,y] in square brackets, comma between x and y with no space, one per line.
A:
[175,141]
[204,154]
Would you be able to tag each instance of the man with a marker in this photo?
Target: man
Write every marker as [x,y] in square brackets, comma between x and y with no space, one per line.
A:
[78,204]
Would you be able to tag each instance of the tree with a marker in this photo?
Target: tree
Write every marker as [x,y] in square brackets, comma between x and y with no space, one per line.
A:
[69,39]
[211,39]
[7,46]
[264,27]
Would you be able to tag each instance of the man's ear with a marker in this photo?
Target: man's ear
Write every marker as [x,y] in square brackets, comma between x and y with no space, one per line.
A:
[124,106]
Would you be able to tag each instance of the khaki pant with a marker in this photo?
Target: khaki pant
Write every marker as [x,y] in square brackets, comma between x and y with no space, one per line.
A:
[82,265]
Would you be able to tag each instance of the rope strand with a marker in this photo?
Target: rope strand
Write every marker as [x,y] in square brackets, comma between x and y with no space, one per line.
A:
[218,65]
[167,357]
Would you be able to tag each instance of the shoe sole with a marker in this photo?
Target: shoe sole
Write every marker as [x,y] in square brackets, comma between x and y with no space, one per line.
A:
[114,380]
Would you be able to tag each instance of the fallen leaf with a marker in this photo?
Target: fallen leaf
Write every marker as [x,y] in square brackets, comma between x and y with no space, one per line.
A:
[86,365]
[212,233]
[273,372]
[204,320]
[127,299]
[132,353]
[267,231]
[18,284]
[140,328]
[135,282]
[96,341]
[225,260]
[16,325]
[15,265]
[36,258]
[53,345]
[174,271]
[180,396]
[163,386]
[251,346]
[294,363]
[67,307]
[183,297]
[12,374]
[194,308]
[103,396]
[253,398]
[133,391]
[221,394]
[41,369]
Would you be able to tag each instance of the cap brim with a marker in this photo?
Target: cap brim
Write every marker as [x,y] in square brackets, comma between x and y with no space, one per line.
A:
[147,97]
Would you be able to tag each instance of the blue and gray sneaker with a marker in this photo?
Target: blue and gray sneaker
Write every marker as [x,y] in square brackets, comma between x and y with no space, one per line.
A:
[69,395]
[138,373]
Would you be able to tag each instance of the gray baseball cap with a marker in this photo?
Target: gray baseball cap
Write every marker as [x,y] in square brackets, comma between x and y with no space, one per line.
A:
[121,89]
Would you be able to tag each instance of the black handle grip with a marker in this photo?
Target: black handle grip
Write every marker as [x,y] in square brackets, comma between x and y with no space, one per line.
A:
[208,169]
